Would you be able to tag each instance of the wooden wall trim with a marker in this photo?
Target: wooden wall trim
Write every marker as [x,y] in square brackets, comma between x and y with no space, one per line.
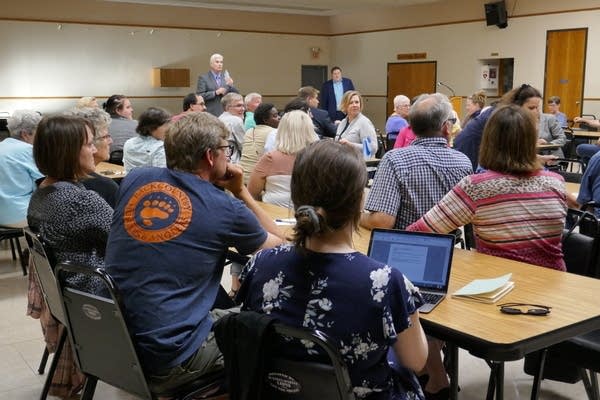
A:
[160,26]
[280,32]
[465,21]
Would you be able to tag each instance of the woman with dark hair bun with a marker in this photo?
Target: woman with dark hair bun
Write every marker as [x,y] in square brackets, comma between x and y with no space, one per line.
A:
[147,149]
[322,282]
[122,126]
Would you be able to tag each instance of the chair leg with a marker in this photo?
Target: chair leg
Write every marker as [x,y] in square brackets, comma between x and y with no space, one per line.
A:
[22,256]
[89,388]
[57,353]
[590,383]
[537,379]
[12,248]
[43,361]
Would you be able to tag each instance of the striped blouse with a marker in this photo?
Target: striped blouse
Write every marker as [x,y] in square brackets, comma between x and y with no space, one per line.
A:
[520,218]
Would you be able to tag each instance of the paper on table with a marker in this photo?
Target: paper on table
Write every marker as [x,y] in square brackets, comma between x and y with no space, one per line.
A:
[480,286]
[285,221]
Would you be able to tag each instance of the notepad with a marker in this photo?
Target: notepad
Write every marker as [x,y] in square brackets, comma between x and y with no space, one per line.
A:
[486,290]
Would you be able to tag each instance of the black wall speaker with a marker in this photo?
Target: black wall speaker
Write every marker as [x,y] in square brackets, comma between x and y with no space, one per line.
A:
[495,14]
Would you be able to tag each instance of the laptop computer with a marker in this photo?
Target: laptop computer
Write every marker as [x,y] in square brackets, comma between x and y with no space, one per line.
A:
[424,258]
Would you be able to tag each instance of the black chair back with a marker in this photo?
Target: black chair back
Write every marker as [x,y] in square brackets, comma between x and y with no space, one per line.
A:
[43,263]
[286,378]
[116,157]
[99,334]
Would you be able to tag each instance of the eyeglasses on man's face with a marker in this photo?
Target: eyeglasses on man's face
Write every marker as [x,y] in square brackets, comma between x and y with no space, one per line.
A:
[227,149]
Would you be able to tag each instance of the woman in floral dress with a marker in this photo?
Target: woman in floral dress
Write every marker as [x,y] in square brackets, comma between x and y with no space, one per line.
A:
[321,282]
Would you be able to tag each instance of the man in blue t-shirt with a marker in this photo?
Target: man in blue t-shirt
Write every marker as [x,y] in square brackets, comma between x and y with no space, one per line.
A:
[170,232]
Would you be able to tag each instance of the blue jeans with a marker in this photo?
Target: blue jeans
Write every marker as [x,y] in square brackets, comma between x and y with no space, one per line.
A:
[586,151]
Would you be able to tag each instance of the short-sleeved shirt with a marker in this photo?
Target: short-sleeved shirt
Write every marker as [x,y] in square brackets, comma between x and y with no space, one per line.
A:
[360,303]
[144,151]
[395,124]
[18,174]
[590,183]
[166,249]
[411,180]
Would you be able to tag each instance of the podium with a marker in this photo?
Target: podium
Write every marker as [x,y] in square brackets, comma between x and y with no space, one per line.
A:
[457,103]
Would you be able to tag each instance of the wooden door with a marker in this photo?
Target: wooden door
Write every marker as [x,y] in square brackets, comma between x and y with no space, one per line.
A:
[410,79]
[565,69]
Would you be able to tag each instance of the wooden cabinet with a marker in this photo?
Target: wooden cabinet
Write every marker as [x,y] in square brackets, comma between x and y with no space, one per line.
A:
[170,77]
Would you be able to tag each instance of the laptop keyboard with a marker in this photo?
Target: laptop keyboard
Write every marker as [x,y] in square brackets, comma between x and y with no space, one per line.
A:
[432,298]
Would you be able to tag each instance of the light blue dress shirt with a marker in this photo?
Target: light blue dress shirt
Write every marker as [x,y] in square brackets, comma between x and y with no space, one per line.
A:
[338,89]
[18,174]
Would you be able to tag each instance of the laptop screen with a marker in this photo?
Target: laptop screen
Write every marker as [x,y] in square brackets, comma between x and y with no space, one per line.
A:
[424,258]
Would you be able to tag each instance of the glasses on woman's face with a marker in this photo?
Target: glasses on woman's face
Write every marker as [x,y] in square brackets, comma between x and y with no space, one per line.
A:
[103,137]
[227,150]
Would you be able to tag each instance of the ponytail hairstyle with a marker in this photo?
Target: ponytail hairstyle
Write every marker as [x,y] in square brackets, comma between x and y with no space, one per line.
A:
[327,187]
[115,103]
[520,95]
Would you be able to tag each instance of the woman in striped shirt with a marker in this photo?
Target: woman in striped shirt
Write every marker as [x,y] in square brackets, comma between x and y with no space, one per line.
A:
[517,209]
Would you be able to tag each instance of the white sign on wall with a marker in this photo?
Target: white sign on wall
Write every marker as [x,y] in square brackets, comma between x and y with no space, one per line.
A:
[489,77]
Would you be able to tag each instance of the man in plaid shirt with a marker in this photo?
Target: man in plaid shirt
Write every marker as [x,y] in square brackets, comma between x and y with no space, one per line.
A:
[411,180]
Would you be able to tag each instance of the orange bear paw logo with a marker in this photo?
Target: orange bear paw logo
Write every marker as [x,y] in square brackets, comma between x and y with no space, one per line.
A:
[155,209]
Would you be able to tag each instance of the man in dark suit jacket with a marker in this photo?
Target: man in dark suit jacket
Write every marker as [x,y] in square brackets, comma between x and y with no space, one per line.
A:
[321,121]
[332,92]
[215,84]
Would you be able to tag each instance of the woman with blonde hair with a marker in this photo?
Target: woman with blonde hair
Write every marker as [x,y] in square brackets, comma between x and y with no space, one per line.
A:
[356,128]
[475,104]
[270,180]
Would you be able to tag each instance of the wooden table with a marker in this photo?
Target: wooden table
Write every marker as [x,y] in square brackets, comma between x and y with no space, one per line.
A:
[589,135]
[109,170]
[572,188]
[548,146]
[491,335]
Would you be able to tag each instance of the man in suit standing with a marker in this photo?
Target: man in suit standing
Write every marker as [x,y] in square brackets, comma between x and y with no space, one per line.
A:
[321,121]
[215,84]
[332,92]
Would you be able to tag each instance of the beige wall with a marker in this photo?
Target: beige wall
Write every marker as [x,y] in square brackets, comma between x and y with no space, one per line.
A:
[99,59]
[39,60]
[457,48]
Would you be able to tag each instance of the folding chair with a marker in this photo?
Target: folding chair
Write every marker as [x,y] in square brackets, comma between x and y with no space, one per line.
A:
[577,358]
[276,376]
[315,380]
[102,344]
[570,169]
[13,235]
[42,264]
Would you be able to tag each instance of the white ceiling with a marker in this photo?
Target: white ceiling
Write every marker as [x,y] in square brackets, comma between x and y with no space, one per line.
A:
[307,7]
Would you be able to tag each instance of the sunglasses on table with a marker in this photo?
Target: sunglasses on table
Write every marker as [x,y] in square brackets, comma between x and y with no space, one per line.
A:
[524,308]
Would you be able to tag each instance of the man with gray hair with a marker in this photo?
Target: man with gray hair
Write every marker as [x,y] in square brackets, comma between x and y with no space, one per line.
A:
[251,101]
[18,171]
[411,180]
[215,84]
[233,118]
